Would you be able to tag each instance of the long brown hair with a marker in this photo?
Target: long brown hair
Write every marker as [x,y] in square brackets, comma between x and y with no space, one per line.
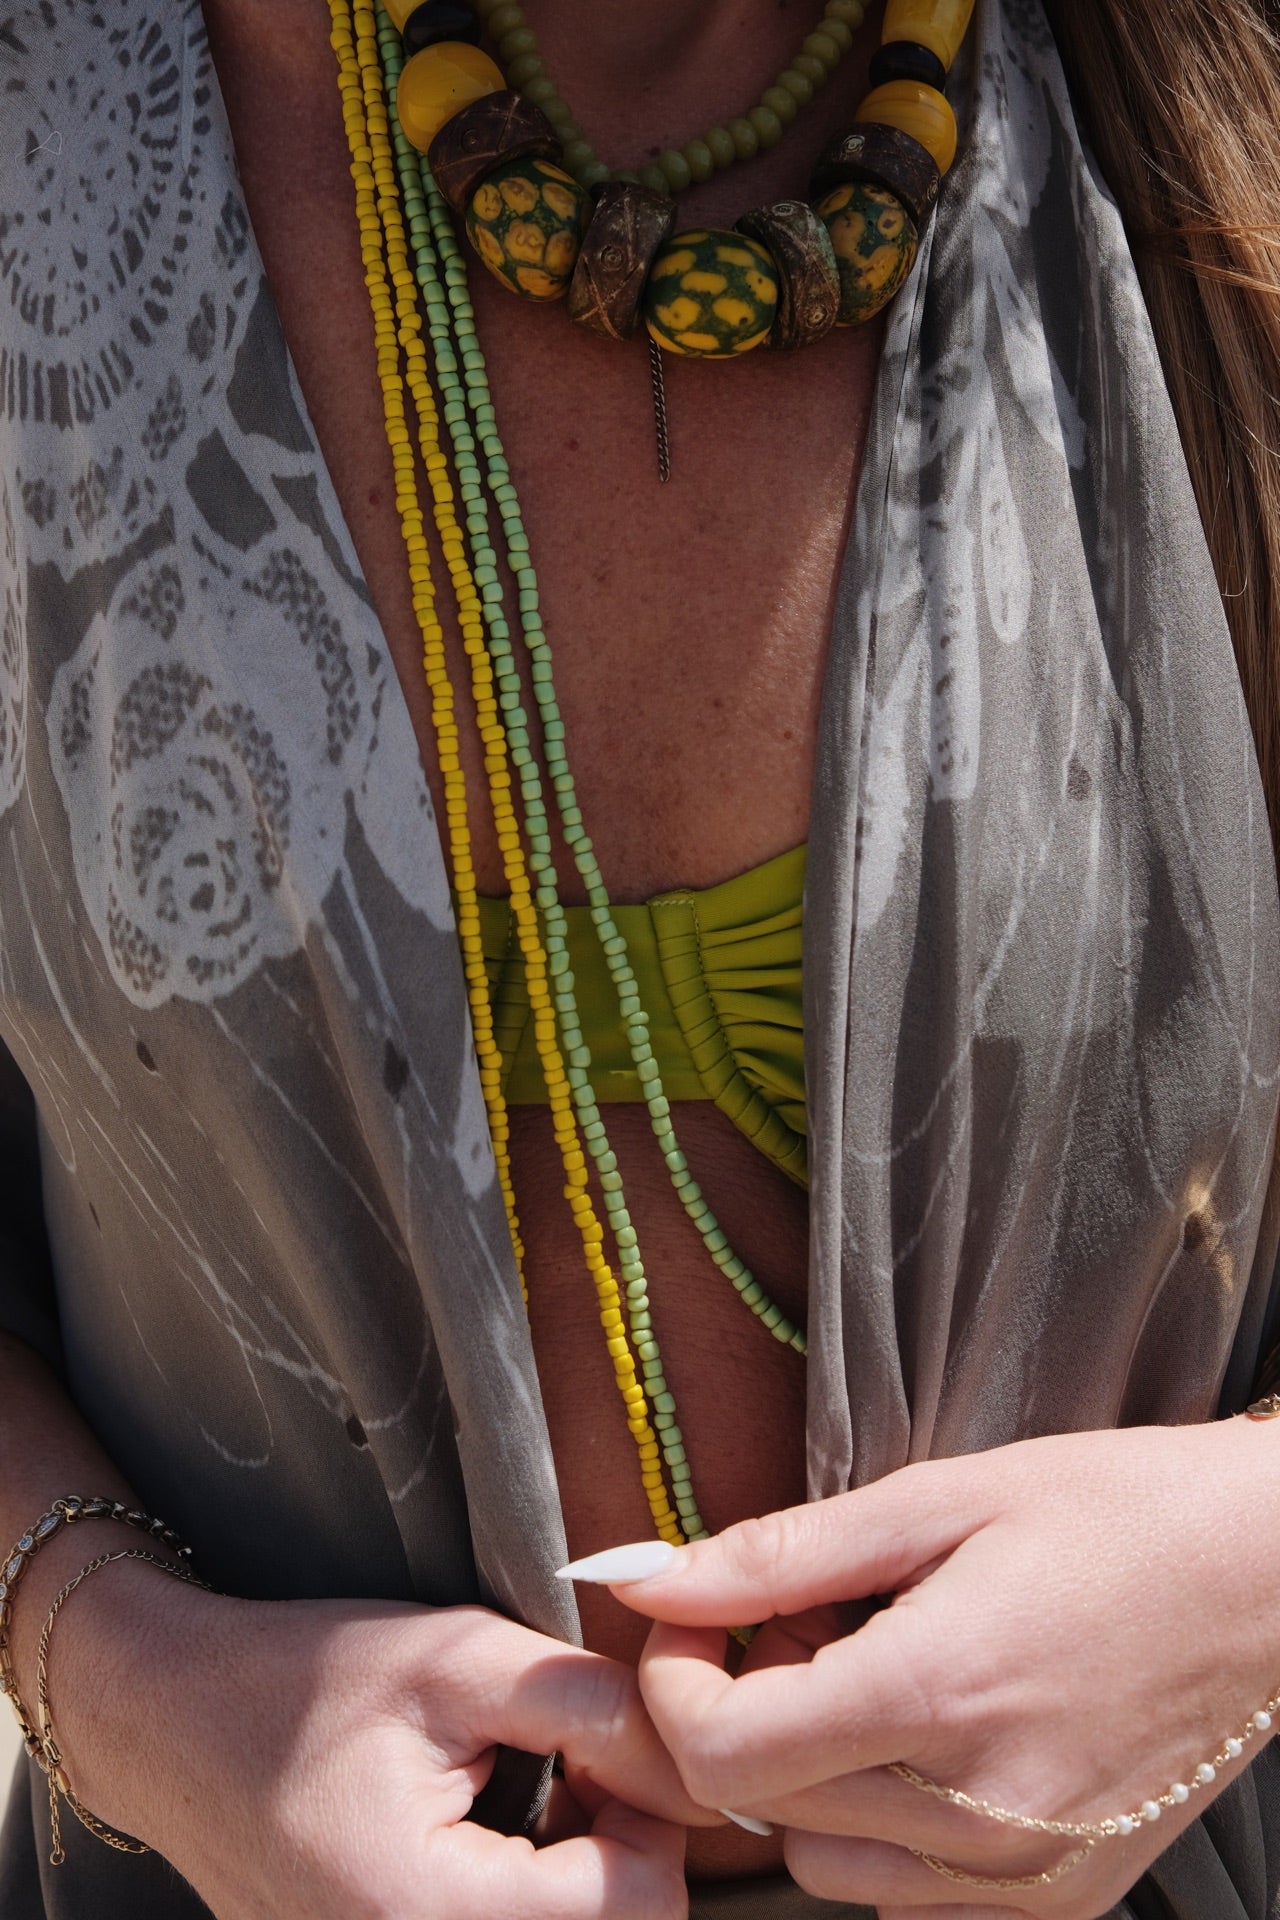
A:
[1181,101]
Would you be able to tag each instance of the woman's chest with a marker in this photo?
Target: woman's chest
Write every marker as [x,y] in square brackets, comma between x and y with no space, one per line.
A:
[688,621]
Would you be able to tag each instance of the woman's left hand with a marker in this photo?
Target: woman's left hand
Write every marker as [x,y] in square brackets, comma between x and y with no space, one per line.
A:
[1076,1623]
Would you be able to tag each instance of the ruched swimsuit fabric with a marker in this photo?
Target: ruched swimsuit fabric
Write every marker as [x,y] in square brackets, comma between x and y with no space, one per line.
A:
[718,972]
[1041,928]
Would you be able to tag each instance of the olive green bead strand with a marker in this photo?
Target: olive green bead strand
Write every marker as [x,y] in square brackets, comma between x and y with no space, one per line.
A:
[715,150]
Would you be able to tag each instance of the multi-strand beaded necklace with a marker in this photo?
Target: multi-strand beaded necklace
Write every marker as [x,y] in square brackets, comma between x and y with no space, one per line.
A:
[488,144]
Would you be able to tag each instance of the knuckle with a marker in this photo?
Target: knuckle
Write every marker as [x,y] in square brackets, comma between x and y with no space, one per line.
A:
[610,1704]
[933,1699]
[708,1764]
[758,1548]
[812,1864]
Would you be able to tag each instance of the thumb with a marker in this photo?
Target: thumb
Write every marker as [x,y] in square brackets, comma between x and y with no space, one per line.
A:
[506,1684]
[876,1540]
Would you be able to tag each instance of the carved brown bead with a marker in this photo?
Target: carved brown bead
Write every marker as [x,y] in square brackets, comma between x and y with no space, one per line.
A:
[500,127]
[886,158]
[808,278]
[629,225]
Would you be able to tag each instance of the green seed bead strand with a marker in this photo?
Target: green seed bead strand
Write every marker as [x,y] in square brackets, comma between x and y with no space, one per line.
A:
[677,168]
[442,279]
[555,936]
[613,943]
[541,865]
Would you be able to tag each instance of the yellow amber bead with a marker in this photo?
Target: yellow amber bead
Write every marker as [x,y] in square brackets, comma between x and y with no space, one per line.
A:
[439,82]
[399,11]
[939,25]
[921,111]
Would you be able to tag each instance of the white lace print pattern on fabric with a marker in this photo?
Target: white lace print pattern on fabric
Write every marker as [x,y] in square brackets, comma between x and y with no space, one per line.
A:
[182,799]
[98,286]
[160,436]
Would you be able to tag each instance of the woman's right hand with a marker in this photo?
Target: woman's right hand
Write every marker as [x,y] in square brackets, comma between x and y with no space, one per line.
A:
[316,1760]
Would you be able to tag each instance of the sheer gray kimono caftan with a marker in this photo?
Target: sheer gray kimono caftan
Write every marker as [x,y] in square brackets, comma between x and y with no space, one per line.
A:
[1042,932]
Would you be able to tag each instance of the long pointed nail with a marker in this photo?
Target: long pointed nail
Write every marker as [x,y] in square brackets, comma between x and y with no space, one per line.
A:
[744,1820]
[618,1564]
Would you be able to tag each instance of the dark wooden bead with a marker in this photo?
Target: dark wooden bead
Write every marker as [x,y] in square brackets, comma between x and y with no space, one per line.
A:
[906,60]
[808,278]
[886,158]
[629,225]
[440,20]
[500,127]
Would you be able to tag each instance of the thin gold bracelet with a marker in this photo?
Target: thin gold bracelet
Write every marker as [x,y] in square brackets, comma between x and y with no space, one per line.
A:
[50,1756]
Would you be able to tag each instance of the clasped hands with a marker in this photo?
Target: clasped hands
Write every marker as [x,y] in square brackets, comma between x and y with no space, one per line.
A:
[1063,1627]
[1075,1623]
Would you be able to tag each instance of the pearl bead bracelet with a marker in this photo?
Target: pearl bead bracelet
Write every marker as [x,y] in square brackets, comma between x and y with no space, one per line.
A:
[1205,1774]
[1113,1825]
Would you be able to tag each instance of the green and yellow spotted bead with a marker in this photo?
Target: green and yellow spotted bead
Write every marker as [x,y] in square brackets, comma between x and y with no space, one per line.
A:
[526,221]
[875,243]
[710,294]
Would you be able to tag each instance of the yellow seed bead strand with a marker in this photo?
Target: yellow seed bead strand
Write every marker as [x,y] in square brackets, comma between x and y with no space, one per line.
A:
[386,332]
[466,594]
[443,248]
[493,736]
[539,986]
[564,1119]
[377,142]
[468,603]
[720,147]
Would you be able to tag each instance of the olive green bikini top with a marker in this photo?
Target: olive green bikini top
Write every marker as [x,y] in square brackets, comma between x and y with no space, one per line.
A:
[719,976]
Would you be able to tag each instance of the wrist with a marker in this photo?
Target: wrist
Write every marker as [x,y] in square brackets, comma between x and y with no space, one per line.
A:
[43,1559]
[119,1662]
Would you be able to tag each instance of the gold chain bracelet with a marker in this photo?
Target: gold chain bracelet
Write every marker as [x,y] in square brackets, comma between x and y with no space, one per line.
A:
[50,1756]
[1089,1832]
[63,1513]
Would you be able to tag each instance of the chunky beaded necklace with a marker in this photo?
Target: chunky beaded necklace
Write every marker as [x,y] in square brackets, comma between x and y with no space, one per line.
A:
[786,275]
[437,398]
[874,188]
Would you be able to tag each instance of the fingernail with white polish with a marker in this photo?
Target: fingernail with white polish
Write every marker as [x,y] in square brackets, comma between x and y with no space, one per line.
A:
[617,1564]
[744,1820]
